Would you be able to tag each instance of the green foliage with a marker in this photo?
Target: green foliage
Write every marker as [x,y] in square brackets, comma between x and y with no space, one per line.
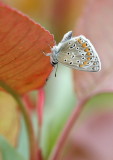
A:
[59,104]
[8,152]
[99,103]
[23,143]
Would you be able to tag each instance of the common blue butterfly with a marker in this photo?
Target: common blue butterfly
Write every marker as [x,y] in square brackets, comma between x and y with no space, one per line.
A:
[76,52]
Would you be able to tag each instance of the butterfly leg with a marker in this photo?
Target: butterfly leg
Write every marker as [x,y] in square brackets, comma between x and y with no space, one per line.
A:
[46,54]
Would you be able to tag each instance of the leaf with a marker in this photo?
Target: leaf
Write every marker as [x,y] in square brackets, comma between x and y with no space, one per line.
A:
[8,152]
[58,108]
[9,118]
[31,135]
[96,24]
[23,66]
[23,143]
[91,138]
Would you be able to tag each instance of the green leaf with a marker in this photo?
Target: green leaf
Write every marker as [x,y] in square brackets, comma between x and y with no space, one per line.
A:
[99,103]
[7,151]
[23,143]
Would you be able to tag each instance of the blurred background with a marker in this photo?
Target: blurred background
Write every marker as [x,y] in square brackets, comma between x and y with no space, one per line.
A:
[91,137]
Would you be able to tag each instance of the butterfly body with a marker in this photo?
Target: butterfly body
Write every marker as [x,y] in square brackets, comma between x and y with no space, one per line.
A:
[76,52]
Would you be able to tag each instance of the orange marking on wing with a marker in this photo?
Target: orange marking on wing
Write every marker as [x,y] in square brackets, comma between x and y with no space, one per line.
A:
[85,63]
[81,65]
[87,50]
[84,45]
[88,58]
[80,41]
[88,54]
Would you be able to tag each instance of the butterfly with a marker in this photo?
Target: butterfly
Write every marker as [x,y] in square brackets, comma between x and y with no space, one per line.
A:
[76,52]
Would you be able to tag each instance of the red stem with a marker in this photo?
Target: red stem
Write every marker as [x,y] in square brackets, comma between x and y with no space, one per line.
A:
[33,147]
[27,101]
[39,110]
[40,105]
[66,131]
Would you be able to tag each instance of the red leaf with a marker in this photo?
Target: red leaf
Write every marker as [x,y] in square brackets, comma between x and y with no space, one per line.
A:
[97,25]
[23,65]
[93,140]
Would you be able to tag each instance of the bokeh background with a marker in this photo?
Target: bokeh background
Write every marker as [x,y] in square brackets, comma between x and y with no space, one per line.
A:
[91,137]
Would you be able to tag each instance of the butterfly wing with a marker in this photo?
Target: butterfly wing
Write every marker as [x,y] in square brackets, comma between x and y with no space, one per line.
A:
[67,36]
[79,53]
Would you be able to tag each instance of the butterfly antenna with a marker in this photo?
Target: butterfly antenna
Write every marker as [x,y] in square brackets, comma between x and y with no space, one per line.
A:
[56,69]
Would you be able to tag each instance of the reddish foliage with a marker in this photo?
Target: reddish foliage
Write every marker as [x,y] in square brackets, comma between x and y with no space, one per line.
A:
[96,24]
[93,139]
[23,65]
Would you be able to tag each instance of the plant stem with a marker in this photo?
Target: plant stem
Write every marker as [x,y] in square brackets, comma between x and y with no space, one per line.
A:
[24,111]
[66,131]
[39,108]
[27,101]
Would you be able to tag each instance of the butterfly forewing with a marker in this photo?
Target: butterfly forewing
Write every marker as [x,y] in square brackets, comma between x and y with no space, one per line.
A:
[79,53]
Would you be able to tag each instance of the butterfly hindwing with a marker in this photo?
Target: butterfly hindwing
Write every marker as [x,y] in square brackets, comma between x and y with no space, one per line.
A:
[79,53]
